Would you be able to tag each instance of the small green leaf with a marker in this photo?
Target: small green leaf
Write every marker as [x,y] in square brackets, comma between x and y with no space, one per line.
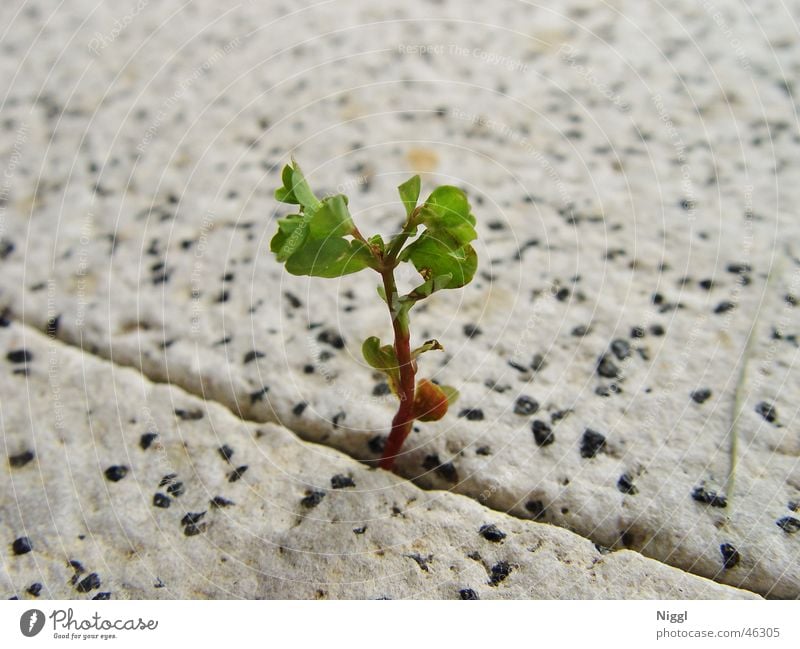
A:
[430,286]
[332,219]
[292,233]
[329,258]
[450,392]
[409,193]
[383,358]
[302,191]
[427,346]
[285,194]
[434,257]
[447,213]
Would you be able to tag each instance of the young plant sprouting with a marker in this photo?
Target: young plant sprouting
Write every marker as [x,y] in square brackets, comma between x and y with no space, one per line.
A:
[321,240]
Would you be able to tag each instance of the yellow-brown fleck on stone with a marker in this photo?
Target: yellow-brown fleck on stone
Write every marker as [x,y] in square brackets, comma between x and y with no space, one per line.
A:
[422,160]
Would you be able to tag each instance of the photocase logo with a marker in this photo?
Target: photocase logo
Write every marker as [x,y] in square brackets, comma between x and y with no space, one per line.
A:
[31,622]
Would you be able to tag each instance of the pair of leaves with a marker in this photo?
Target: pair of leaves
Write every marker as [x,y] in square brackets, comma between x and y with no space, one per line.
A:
[442,254]
[313,242]
[384,358]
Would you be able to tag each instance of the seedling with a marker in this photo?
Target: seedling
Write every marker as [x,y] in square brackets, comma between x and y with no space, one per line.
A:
[321,240]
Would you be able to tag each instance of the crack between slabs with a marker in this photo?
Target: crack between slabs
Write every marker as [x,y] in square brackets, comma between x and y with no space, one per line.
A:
[189,387]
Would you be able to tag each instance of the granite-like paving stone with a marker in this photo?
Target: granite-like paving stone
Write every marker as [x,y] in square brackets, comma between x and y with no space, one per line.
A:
[136,490]
[633,174]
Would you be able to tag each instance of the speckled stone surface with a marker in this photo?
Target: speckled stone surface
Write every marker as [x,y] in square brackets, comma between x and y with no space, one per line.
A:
[121,488]
[633,171]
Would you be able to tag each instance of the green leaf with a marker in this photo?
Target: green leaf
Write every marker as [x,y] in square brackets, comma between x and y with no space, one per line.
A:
[450,392]
[447,213]
[332,219]
[292,233]
[302,191]
[409,193]
[383,358]
[427,346]
[295,189]
[377,241]
[285,194]
[435,257]
[332,257]
[430,286]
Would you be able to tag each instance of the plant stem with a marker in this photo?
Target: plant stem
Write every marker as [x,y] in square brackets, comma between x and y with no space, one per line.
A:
[404,418]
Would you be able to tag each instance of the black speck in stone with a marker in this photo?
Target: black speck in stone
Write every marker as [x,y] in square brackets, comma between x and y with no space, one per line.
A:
[360,530]
[35,589]
[308,369]
[312,498]
[706,284]
[299,408]
[525,406]
[376,443]
[767,411]
[536,508]
[22,545]
[188,415]
[19,356]
[537,362]
[499,572]
[724,306]
[657,330]
[102,596]
[445,470]
[626,486]
[340,481]
[176,489]
[330,337]
[167,479]
[709,497]
[702,395]
[293,300]
[517,366]
[252,355]
[606,368]
[146,440]
[52,326]
[730,556]
[90,582]
[621,349]
[739,268]
[592,443]
[194,529]
[218,502]
[637,332]
[470,331]
[381,389]
[161,500]
[542,433]
[788,524]
[483,450]
[562,294]
[492,533]
[472,414]
[226,452]
[467,593]
[20,459]
[258,395]
[580,331]
[237,473]
[192,517]
[116,473]
[222,297]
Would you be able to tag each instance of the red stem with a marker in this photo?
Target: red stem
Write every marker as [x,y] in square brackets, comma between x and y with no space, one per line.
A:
[404,418]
